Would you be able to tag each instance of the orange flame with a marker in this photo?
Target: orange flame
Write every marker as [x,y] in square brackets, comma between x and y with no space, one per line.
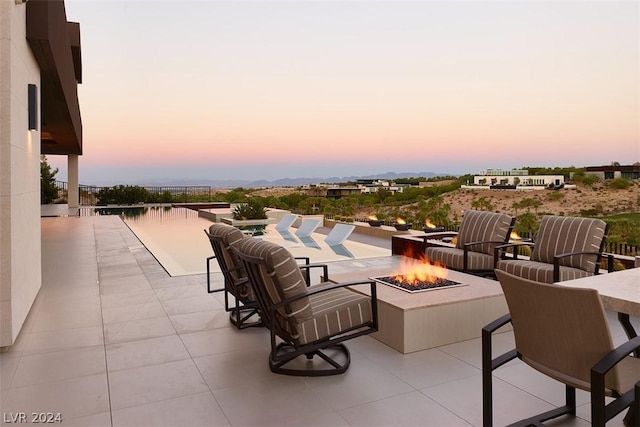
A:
[514,236]
[429,224]
[373,217]
[400,221]
[415,272]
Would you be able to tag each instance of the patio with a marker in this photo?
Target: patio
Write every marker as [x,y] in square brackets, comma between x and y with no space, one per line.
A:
[112,339]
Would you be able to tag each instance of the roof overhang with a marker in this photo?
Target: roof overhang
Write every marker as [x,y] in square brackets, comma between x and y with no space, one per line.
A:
[56,46]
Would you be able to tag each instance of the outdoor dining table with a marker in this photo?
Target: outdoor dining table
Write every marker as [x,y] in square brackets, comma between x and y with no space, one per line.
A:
[619,291]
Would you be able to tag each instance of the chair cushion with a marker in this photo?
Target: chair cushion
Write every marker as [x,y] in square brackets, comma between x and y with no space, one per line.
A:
[280,275]
[539,271]
[454,258]
[230,237]
[333,312]
[483,226]
[560,235]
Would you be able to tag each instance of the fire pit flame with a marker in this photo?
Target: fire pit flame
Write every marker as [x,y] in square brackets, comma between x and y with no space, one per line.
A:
[413,273]
[400,221]
[416,276]
[429,224]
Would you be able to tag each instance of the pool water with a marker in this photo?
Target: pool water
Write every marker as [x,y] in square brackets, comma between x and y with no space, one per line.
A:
[176,238]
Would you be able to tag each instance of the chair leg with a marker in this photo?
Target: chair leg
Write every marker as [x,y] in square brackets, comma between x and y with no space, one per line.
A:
[487,381]
[285,353]
[239,318]
[209,290]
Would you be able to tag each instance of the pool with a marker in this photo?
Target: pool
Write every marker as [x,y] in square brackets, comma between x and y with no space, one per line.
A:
[176,238]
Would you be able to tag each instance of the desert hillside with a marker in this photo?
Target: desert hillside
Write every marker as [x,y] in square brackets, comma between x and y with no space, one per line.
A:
[567,201]
[570,203]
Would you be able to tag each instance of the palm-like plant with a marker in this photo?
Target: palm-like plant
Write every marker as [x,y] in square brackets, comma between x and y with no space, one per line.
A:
[253,209]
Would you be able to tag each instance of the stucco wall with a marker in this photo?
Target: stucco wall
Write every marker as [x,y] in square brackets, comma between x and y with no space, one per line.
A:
[20,239]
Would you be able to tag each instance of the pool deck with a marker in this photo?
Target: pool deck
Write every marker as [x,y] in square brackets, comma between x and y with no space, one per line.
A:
[113,340]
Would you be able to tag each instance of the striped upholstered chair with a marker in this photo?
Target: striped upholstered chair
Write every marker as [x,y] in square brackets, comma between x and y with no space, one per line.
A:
[239,298]
[305,321]
[565,248]
[479,234]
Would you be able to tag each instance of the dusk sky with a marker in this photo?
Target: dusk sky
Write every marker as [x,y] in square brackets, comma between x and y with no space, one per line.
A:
[268,90]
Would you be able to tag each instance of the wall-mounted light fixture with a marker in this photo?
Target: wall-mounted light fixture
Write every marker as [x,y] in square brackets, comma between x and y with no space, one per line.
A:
[20,1]
[32,97]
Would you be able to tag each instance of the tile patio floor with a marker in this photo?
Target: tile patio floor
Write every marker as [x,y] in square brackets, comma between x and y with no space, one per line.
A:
[112,340]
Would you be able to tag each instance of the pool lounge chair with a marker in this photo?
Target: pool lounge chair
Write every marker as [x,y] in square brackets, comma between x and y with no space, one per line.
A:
[305,322]
[307,226]
[339,234]
[286,222]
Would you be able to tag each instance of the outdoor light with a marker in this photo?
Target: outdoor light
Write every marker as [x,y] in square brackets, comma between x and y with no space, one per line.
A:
[32,97]
[20,1]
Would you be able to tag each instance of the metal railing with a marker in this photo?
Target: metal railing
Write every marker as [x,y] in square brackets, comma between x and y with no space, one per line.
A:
[163,194]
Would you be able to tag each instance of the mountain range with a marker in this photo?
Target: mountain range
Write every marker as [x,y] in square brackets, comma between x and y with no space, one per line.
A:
[283,182]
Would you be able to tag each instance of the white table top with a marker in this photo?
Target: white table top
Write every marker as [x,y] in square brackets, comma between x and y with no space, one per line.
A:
[619,291]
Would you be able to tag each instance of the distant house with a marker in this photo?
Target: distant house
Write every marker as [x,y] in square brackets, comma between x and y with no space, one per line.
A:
[515,179]
[337,191]
[614,171]
[373,185]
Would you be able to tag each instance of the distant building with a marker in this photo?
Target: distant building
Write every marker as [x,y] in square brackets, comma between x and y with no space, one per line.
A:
[515,179]
[614,171]
[366,186]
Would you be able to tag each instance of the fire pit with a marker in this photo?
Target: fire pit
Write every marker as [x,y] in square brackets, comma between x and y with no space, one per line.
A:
[401,225]
[433,229]
[429,227]
[404,283]
[374,221]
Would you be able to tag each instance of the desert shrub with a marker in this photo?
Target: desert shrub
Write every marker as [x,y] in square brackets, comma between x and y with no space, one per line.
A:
[555,196]
[619,184]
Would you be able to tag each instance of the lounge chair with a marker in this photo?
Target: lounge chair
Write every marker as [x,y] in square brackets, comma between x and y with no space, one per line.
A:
[565,248]
[309,322]
[307,226]
[480,232]
[563,333]
[339,234]
[286,222]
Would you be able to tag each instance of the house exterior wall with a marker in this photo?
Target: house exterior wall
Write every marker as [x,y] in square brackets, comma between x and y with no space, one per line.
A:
[20,238]
[522,180]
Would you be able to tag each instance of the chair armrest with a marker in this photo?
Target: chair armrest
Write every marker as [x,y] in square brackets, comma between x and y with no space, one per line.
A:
[598,372]
[306,259]
[556,262]
[439,234]
[466,249]
[515,246]
[497,324]
[307,267]
[482,242]
[487,332]
[489,364]
[319,289]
